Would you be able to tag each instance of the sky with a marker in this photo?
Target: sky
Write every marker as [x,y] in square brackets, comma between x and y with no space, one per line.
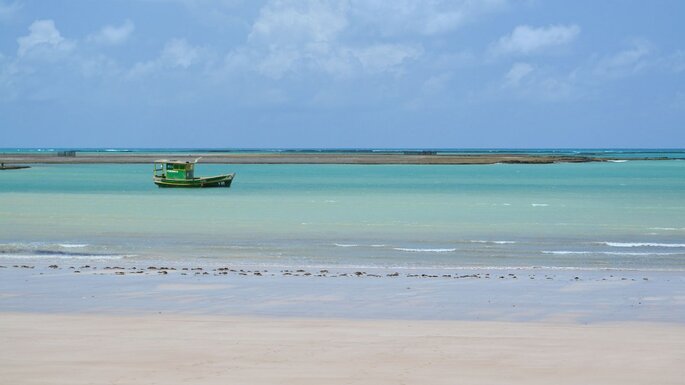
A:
[342,74]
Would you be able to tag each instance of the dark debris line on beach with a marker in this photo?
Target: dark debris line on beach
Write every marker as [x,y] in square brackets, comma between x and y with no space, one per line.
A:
[227,271]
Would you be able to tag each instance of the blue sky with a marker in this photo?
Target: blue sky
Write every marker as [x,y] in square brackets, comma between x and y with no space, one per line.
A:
[333,74]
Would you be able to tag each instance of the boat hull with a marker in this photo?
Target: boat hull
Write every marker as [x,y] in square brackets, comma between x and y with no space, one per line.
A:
[210,181]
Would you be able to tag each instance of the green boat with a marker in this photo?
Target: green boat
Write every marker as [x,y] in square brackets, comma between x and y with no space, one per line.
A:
[178,173]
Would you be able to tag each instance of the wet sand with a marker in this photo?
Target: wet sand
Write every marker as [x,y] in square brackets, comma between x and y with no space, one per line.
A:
[188,324]
[184,349]
[520,295]
[300,158]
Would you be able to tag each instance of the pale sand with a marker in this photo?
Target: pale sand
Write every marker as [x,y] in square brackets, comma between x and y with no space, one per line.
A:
[186,349]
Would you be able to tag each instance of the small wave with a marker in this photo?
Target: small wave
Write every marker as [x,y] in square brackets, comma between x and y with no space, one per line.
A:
[411,250]
[642,244]
[30,246]
[356,245]
[539,204]
[618,161]
[493,242]
[667,228]
[617,253]
[44,250]
[346,245]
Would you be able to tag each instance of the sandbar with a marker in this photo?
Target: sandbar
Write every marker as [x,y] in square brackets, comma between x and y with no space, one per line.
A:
[304,158]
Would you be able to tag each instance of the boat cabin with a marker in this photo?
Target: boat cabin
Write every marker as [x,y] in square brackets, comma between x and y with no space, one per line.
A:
[174,169]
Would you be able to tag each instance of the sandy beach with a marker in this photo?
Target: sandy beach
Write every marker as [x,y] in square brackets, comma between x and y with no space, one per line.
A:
[182,349]
[99,324]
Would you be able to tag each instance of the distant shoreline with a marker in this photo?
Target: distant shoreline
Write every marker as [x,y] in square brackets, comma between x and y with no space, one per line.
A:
[308,158]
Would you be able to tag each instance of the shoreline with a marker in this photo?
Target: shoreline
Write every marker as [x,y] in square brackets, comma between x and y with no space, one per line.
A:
[590,297]
[309,158]
[179,349]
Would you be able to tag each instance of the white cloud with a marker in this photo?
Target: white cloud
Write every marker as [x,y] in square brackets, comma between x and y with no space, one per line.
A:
[44,37]
[525,39]
[442,22]
[640,56]
[292,22]
[425,17]
[178,53]
[543,88]
[9,10]
[278,62]
[99,66]
[113,35]
[626,62]
[384,57]
[294,36]
[536,83]
[436,83]
[517,72]
[141,69]
[289,36]
[339,61]
[676,61]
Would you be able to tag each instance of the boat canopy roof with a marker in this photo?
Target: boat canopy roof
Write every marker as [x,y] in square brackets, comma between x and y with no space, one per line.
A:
[174,161]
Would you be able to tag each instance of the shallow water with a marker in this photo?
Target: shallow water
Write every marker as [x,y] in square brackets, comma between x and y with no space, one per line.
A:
[628,215]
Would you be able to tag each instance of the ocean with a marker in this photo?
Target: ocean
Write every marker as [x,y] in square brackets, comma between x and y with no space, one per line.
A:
[613,215]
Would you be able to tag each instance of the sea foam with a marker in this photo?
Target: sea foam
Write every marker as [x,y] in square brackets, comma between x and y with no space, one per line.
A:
[493,242]
[667,228]
[45,250]
[412,250]
[617,253]
[642,244]
[72,245]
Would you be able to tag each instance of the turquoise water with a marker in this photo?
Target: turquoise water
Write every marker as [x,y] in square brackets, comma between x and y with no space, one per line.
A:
[589,215]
